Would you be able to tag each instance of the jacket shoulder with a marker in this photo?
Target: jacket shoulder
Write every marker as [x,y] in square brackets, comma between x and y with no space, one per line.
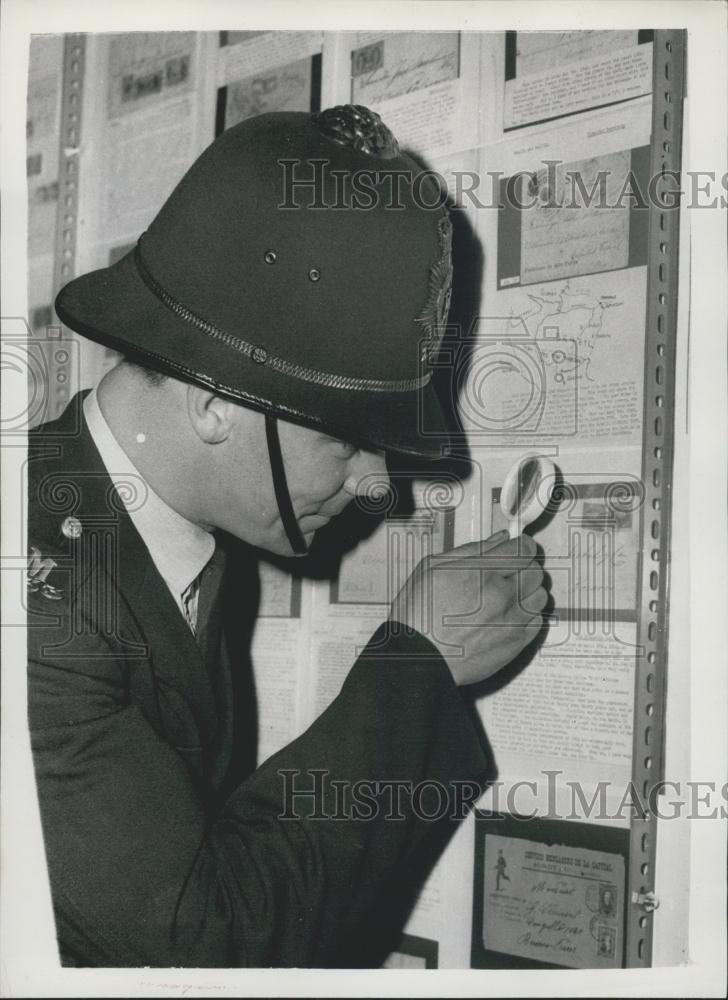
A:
[60,464]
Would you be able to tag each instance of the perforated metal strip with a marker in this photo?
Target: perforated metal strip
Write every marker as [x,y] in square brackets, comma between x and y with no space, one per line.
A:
[61,371]
[657,454]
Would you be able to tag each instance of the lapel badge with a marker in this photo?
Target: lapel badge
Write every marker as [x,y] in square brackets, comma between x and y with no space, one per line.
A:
[37,575]
[72,527]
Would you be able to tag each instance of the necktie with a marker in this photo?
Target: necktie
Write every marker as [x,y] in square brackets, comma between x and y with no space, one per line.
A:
[190,598]
[207,597]
[199,598]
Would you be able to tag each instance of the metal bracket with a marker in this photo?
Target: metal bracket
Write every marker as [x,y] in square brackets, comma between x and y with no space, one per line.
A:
[647,900]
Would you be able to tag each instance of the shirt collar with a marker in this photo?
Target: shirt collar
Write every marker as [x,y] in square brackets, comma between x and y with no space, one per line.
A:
[179,548]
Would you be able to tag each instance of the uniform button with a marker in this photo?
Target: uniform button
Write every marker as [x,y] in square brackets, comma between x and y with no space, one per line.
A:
[260,355]
[72,527]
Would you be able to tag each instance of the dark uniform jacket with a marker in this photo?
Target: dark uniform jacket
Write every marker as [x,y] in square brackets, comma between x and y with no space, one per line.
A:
[165,846]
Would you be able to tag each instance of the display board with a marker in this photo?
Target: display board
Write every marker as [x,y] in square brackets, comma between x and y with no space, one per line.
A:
[561,155]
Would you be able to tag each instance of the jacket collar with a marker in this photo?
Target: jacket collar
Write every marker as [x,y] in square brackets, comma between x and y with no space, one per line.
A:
[77,517]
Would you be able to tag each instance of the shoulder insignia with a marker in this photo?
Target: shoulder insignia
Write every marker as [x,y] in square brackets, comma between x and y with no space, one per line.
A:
[39,568]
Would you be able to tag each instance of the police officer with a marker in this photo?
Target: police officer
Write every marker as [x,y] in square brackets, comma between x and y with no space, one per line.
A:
[277,322]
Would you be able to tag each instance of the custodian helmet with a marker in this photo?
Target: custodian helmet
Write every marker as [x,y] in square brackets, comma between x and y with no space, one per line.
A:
[301,266]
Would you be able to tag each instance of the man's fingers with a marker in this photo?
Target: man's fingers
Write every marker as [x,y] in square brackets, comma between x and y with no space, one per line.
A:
[517,556]
[473,549]
[487,544]
[505,556]
[533,629]
[524,545]
[512,555]
[534,603]
[521,612]
[528,580]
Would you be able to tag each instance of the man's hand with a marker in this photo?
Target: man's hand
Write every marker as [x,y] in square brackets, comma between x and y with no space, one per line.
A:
[480,603]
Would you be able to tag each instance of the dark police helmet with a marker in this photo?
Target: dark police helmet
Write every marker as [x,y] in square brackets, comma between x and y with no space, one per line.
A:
[302,266]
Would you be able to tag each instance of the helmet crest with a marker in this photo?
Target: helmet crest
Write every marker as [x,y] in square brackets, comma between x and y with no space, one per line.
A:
[359,128]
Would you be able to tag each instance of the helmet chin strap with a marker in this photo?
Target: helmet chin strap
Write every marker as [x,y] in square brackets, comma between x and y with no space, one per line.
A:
[283,497]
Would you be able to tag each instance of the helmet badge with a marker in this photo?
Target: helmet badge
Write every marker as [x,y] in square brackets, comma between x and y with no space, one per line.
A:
[434,314]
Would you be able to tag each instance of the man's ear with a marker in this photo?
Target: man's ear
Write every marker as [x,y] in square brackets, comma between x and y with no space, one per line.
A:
[211,416]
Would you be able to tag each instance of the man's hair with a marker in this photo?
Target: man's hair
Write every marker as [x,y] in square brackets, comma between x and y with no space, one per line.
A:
[150,375]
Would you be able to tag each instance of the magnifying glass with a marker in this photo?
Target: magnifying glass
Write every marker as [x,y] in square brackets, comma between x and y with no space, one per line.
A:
[526,491]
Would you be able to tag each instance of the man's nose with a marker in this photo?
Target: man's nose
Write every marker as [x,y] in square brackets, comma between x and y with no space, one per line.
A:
[368,475]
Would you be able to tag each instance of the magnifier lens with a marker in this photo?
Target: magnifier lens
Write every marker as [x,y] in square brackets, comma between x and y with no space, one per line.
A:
[522,499]
[529,476]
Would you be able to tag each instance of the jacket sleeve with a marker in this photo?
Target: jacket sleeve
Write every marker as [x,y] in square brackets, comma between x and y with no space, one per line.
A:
[142,875]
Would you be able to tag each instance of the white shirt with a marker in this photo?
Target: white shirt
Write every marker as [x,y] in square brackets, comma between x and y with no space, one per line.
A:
[179,548]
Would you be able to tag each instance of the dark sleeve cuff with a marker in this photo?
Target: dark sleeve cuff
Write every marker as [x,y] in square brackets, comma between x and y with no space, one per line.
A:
[402,671]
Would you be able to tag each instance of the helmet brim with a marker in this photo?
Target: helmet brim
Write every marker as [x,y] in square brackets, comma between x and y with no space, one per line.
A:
[113,306]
